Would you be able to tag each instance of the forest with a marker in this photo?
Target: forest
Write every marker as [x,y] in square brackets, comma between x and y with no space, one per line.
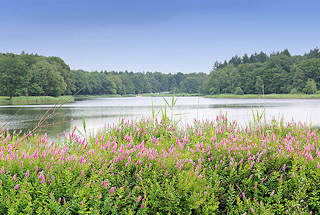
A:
[34,75]
[279,73]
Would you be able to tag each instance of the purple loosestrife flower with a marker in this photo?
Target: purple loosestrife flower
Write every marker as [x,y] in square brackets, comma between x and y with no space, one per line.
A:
[272,193]
[27,174]
[284,167]
[17,186]
[2,170]
[112,189]
[139,199]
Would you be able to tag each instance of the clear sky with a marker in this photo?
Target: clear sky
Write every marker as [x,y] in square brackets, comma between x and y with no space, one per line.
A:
[163,35]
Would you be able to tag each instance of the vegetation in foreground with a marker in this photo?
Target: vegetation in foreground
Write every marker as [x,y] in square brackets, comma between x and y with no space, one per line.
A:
[35,100]
[156,167]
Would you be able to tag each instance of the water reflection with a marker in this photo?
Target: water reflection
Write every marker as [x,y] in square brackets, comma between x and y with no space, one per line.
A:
[99,112]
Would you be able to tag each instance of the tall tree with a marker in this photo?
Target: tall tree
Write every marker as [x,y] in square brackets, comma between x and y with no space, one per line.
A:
[14,76]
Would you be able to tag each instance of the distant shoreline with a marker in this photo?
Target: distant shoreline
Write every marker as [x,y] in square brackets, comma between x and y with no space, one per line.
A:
[40,100]
[266,96]
[245,96]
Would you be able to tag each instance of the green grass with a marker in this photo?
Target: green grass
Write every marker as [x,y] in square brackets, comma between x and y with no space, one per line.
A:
[4,100]
[267,96]
[168,94]
[81,97]
[35,100]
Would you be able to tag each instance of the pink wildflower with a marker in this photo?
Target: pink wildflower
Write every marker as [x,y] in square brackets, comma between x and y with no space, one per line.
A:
[139,199]
[27,174]
[284,167]
[17,186]
[272,193]
[243,195]
[112,189]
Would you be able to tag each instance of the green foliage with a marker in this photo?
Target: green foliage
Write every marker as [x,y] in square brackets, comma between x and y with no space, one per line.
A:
[156,167]
[259,73]
[294,91]
[278,73]
[238,91]
[311,87]
[14,76]
[34,75]
[46,80]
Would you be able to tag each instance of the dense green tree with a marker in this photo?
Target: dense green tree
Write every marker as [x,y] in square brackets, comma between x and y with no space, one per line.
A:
[46,80]
[14,76]
[64,71]
[311,87]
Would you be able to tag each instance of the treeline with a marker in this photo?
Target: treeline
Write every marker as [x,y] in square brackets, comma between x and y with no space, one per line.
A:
[278,73]
[124,83]
[34,75]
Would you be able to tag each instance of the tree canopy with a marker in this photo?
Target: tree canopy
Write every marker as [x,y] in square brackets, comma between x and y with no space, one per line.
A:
[278,73]
[34,75]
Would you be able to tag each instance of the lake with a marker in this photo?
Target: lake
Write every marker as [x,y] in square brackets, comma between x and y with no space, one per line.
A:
[100,111]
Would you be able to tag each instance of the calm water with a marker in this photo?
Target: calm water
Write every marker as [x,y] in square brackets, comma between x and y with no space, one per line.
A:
[101,111]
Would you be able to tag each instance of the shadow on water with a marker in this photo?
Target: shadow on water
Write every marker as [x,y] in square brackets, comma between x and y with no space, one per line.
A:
[26,119]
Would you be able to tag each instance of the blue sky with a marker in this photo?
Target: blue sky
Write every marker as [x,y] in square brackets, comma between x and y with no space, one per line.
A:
[164,35]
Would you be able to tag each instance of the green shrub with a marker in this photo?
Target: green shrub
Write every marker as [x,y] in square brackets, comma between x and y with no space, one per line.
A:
[238,91]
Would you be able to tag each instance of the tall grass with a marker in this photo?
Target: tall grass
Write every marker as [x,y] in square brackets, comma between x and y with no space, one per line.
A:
[155,166]
[34,100]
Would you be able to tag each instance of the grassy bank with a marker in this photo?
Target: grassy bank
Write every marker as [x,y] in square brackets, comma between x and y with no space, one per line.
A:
[4,100]
[150,167]
[267,96]
[36,100]
[81,97]
[168,94]
[246,96]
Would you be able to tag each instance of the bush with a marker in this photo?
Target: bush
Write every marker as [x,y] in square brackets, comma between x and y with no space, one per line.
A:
[238,91]
[294,91]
